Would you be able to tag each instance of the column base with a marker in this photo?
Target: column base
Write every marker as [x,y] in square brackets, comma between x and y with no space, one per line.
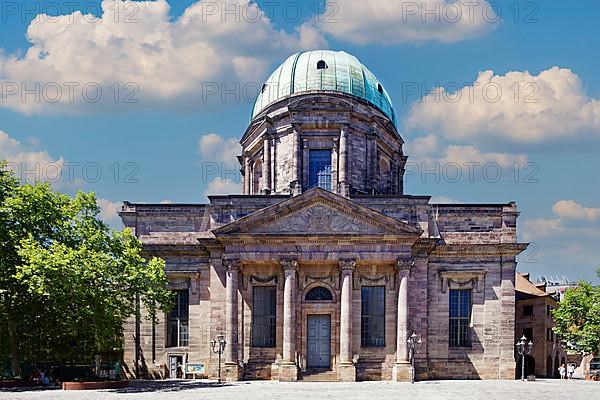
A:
[232,372]
[288,372]
[401,372]
[346,372]
[275,371]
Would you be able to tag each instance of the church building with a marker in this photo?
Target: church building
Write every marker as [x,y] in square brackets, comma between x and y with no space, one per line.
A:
[324,265]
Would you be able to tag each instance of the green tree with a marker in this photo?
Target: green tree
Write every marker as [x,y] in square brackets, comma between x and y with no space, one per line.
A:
[578,317]
[67,282]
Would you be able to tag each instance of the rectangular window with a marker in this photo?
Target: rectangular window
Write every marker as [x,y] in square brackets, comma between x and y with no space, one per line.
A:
[528,333]
[549,311]
[460,318]
[264,307]
[178,320]
[372,328]
[319,169]
[528,310]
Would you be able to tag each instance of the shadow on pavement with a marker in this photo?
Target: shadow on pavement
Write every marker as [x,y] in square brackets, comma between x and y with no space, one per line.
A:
[170,386]
[29,389]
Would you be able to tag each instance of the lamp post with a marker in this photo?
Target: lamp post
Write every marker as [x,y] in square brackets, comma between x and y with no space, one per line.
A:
[414,345]
[218,344]
[523,348]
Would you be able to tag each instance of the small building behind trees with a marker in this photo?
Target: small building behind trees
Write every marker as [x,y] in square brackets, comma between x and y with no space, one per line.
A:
[533,319]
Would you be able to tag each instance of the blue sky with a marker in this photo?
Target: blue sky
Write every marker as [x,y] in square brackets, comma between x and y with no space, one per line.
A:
[161,144]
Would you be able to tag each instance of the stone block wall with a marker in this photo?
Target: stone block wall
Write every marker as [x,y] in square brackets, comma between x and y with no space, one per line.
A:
[318,119]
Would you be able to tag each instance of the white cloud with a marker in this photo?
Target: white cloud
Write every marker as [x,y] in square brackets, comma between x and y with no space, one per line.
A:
[432,150]
[444,200]
[559,245]
[215,148]
[170,61]
[29,164]
[423,146]
[549,106]
[390,22]
[108,213]
[220,186]
[540,227]
[572,210]
[534,230]
[223,176]
[470,154]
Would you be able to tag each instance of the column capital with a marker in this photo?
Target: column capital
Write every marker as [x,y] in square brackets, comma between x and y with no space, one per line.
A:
[347,264]
[288,264]
[231,263]
[405,265]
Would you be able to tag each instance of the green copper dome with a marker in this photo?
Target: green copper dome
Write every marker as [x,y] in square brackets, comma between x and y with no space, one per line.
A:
[328,71]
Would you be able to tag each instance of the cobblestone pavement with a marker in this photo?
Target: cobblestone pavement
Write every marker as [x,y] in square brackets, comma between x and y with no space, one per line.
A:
[433,390]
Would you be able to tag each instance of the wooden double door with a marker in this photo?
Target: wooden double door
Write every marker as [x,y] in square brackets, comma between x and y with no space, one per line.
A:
[318,341]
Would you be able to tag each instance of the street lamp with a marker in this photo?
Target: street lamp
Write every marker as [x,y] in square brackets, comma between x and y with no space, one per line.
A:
[218,347]
[523,348]
[414,344]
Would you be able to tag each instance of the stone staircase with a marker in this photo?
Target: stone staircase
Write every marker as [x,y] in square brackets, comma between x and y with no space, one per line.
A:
[319,375]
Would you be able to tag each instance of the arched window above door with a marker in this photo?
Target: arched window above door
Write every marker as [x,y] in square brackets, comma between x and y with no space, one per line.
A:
[319,293]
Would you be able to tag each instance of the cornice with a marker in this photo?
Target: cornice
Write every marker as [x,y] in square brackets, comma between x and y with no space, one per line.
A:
[475,250]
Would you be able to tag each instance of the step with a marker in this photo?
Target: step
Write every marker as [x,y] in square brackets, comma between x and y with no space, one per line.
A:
[319,376]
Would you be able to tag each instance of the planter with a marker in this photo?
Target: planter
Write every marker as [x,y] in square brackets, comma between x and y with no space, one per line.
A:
[95,385]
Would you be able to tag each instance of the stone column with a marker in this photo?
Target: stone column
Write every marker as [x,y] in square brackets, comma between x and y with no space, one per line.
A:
[401,372]
[232,370]
[289,369]
[247,174]
[372,160]
[344,186]
[346,368]
[296,183]
[394,176]
[267,164]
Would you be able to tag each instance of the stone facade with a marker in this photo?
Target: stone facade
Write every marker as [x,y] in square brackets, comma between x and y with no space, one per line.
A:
[318,231]
[363,231]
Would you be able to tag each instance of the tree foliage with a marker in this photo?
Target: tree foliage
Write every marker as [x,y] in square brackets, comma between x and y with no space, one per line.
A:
[578,317]
[67,282]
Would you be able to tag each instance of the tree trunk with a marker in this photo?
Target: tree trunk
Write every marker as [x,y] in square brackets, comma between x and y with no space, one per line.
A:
[14,349]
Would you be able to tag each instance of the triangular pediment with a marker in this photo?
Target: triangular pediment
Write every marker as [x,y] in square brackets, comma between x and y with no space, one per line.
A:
[318,212]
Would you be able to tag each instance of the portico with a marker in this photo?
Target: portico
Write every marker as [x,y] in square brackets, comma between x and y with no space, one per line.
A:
[378,254]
